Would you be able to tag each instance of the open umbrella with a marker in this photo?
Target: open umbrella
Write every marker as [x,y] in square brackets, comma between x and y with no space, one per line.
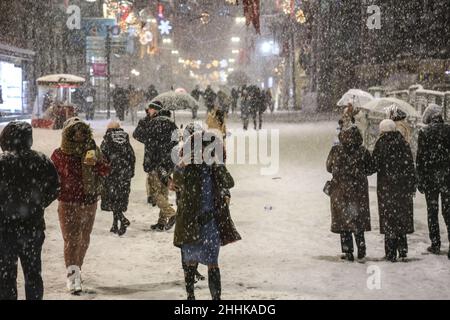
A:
[356,97]
[172,100]
[385,105]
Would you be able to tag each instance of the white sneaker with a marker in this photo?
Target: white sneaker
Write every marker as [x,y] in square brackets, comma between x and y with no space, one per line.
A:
[74,279]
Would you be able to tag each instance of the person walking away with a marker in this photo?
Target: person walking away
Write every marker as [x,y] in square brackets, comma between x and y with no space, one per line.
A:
[396,187]
[120,100]
[224,101]
[269,100]
[210,98]
[245,108]
[350,163]
[433,170]
[255,103]
[196,93]
[203,222]
[29,184]
[89,96]
[262,107]
[151,93]
[234,99]
[156,132]
[81,166]
[119,153]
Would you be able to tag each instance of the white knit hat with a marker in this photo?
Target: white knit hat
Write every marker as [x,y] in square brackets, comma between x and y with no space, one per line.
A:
[387,125]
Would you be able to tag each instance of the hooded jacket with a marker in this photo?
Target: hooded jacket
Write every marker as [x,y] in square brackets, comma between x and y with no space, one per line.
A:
[28,180]
[79,183]
[350,164]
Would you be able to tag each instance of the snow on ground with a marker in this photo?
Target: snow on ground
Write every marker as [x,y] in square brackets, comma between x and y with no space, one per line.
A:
[286,253]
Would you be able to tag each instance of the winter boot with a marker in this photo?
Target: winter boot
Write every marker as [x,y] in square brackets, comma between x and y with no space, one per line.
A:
[189,275]
[157,227]
[214,282]
[114,228]
[170,223]
[124,224]
[434,249]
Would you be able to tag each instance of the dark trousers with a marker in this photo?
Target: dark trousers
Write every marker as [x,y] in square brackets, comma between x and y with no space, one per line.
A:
[347,242]
[392,244]
[28,249]
[257,116]
[432,199]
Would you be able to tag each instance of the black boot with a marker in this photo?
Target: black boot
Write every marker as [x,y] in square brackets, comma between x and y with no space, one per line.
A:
[215,286]
[189,278]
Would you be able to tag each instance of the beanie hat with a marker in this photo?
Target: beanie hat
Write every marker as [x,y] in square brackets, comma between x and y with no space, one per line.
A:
[157,105]
[387,125]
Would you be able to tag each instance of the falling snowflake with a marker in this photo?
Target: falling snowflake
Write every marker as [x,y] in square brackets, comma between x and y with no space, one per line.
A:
[165,27]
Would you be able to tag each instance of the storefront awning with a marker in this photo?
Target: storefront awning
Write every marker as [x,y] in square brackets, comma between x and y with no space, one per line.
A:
[12,54]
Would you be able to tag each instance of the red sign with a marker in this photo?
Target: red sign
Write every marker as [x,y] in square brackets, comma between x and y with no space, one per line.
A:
[100,69]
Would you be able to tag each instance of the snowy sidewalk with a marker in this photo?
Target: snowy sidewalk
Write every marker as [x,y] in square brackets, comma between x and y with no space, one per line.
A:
[287,252]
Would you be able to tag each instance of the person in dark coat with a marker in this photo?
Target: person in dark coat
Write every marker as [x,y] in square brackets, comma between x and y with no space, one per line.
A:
[151,93]
[203,222]
[119,153]
[156,132]
[196,93]
[350,163]
[433,169]
[120,102]
[29,183]
[245,106]
[234,99]
[210,98]
[396,187]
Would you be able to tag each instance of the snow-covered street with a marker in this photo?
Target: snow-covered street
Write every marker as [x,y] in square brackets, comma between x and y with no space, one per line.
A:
[287,252]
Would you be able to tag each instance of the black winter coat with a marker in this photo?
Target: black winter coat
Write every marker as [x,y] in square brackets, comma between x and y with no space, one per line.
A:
[29,181]
[433,157]
[396,184]
[159,135]
[118,151]
[350,163]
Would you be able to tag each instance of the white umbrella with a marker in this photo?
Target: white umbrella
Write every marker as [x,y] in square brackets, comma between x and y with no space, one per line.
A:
[172,100]
[60,79]
[356,97]
[383,105]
